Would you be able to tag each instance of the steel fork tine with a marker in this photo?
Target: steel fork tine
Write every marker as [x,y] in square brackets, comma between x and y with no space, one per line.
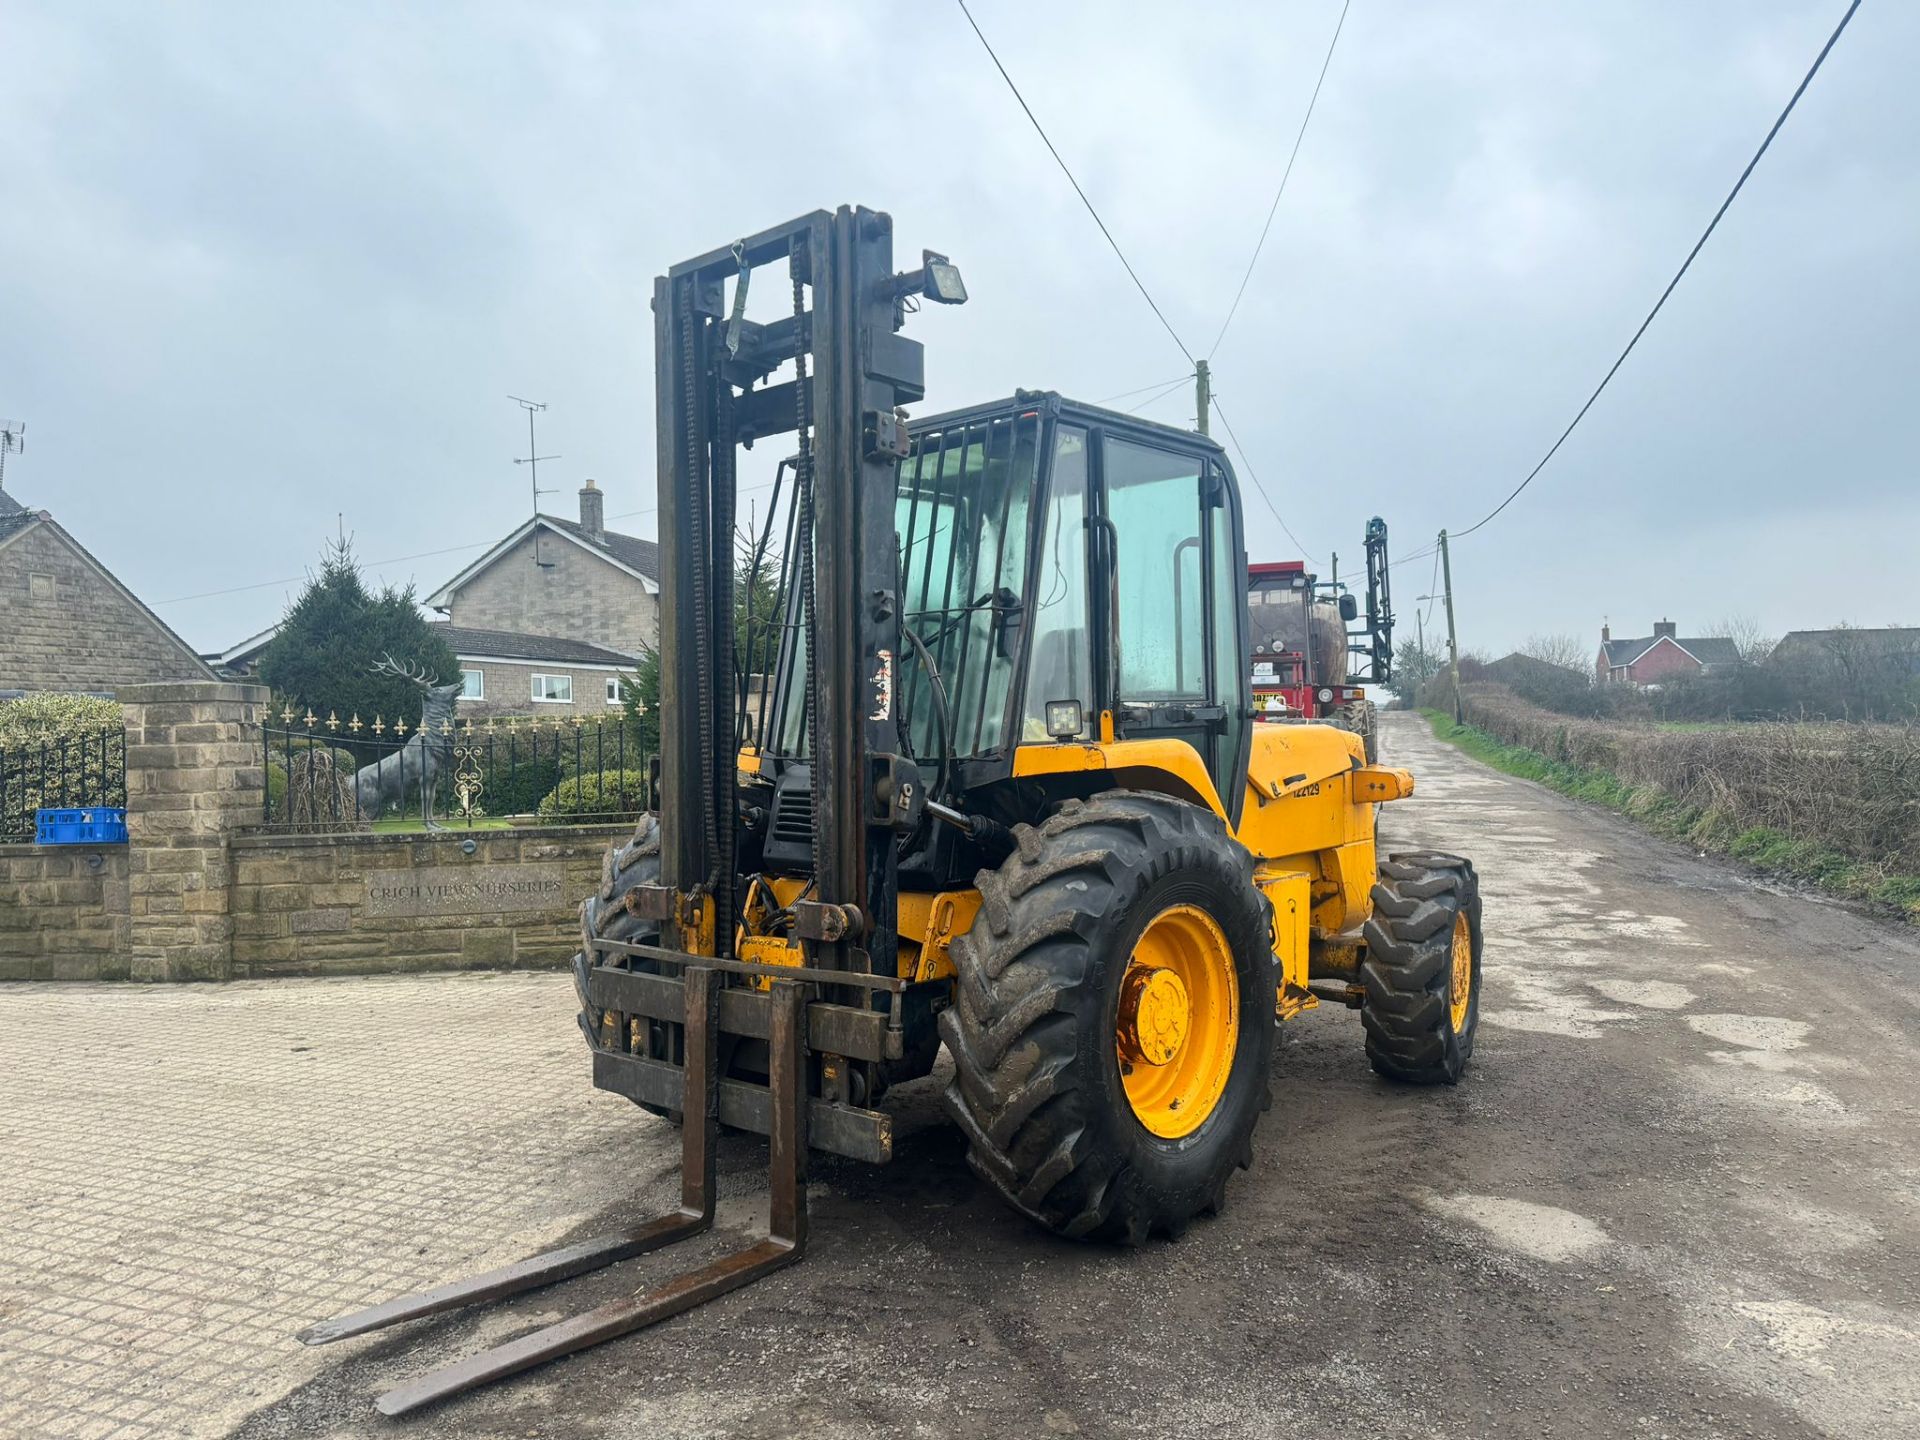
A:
[699,1133]
[787,1224]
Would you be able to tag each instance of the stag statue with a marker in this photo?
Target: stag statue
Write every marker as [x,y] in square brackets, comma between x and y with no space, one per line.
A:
[419,762]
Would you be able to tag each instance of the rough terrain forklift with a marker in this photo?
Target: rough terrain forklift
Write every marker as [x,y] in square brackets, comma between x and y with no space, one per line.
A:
[1005,794]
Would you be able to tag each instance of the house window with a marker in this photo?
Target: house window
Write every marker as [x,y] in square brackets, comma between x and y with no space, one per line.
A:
[553,689]
[613,690]
[473,684]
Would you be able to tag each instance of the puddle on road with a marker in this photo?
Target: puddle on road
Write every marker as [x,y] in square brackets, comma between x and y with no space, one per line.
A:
[1543,1232]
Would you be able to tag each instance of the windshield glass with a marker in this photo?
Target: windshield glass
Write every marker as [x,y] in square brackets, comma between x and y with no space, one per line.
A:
[962,515]
[961,512]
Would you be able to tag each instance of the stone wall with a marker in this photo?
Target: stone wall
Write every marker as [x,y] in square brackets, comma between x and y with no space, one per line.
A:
[70,626]
[330,904]
[572,592]
[195,776]
[201,892]
[63,912]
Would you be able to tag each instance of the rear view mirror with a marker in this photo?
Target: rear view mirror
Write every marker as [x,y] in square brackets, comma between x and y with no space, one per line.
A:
[1349,608]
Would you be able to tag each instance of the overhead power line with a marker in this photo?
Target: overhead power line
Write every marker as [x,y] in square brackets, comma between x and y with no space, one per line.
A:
[1274,208]
[1132,274]
[1157,385]
[1160,395]
[1672,284]
[1241,451]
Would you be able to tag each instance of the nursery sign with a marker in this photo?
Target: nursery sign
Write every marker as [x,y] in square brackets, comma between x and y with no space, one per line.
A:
[464,889]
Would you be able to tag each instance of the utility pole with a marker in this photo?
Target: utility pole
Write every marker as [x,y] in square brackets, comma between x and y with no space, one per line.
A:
[1453,638]
[532,460]
[1203,392]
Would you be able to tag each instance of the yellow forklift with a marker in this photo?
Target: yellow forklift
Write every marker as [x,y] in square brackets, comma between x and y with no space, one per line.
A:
[1003,794]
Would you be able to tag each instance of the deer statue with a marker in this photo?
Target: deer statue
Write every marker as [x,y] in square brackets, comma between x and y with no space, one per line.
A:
[419,762]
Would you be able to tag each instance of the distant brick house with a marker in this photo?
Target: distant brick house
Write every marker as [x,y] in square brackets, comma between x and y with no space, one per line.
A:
[565,578]
[66,624]
[1660,657]
[504,673]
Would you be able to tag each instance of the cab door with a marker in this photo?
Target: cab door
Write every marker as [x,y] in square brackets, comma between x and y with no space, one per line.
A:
[1171,545]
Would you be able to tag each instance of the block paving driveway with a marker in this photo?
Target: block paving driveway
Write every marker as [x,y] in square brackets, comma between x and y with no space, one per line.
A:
[188,1173]
[1677,1195]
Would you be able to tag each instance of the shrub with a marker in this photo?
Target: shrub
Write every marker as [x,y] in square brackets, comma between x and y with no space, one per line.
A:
[56,751]
[587,798]
[44,717]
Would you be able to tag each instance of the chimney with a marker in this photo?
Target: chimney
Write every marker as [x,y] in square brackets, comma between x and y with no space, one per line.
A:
[593,511]
[1663,627]
[1606,633]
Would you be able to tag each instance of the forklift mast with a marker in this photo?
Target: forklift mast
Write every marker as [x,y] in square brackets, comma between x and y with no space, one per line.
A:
[849,373]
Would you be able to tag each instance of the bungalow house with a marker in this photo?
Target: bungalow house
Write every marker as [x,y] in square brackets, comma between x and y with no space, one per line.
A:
[66,622]
[1660,657]
[503,673]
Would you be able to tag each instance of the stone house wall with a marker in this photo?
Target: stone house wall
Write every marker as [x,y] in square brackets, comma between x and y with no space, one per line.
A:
[572,593]
[65,624]
[509,685]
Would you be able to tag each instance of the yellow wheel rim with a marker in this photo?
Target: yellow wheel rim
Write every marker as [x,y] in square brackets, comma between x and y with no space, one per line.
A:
[1460,990]
[1179,1021]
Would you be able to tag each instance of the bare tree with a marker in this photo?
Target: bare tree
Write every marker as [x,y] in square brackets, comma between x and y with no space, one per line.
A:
[1569,652]
[1748,638]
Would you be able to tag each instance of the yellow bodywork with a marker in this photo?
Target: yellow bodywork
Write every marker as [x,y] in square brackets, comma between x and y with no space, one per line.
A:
[1308,819]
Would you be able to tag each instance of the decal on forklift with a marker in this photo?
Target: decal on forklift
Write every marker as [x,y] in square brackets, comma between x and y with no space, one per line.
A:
[882,685]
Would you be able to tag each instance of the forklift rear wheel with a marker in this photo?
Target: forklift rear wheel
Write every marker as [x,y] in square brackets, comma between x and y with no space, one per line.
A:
[1422,971]
[605,916]
[1112,1029]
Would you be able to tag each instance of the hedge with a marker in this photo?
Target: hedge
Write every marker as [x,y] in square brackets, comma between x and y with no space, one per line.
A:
[1851,787]
[589,798]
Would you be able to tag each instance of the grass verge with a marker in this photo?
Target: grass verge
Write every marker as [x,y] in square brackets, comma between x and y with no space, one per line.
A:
[1766,850]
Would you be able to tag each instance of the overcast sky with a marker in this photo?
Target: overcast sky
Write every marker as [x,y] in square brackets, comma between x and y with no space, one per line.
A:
[260,265]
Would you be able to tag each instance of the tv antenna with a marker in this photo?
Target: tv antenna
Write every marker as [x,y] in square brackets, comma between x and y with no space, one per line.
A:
[532,460]
[13,440]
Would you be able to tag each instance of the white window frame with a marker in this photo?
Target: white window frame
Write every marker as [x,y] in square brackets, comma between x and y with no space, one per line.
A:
[613,690]
[473,684]
[539,699]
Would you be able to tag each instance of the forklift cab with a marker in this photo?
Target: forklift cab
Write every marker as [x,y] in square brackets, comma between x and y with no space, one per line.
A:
[1059,564]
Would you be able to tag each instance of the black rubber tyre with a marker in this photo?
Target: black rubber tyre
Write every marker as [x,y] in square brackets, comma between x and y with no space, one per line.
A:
[604,916]
[1037,1085]
[1359,717]
[1408,972]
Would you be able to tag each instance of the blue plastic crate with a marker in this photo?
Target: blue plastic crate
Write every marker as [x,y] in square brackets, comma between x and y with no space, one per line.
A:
[102,825]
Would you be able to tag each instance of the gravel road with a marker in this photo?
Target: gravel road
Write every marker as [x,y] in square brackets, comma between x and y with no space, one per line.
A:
[1675,1196]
